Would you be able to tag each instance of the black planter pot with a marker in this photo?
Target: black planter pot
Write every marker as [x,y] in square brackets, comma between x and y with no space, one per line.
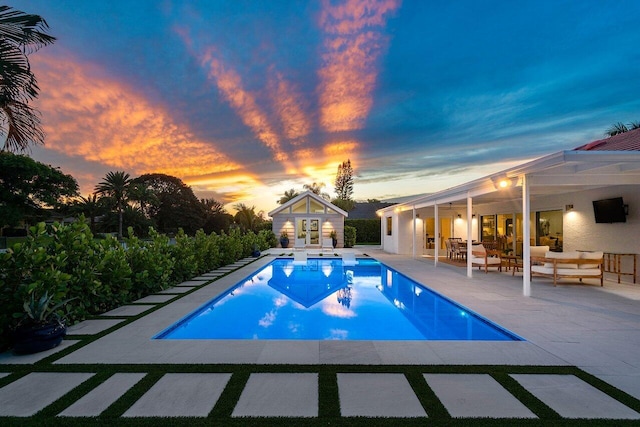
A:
[335,242]
[36,338]
[284,242]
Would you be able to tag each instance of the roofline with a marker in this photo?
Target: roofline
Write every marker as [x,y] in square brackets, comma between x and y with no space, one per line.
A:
[302,196]
[483,185]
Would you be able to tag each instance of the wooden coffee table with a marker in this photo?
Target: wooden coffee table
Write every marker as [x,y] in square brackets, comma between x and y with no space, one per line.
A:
[513,262]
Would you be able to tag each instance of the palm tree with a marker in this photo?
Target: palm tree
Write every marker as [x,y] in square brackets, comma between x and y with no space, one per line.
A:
[90,207]
[20,35]
[634,125]
[115,186]
[246,217]
[288,195]
[317,189]
[616,129]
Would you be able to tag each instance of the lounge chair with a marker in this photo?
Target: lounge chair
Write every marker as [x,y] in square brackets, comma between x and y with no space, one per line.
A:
[349,259]
[300,258]
[485,258]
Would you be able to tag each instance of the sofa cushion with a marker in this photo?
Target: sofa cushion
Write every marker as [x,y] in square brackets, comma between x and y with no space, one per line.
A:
[566,271]
[591,255]
[478,248]
[490,260]
[562,255]
[538,251]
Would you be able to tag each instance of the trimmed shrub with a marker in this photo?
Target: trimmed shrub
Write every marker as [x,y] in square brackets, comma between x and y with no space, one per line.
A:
[349,236]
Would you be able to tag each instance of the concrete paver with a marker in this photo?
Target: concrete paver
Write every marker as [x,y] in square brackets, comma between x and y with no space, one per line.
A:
[100,398]
[155,299]
[8,358]
[33,392]
[571,397]
[378,395]
[128,310]
[279,395]
[476,395]
[180,395]
[92,326]
[191,283]
[4,374]
[177,290]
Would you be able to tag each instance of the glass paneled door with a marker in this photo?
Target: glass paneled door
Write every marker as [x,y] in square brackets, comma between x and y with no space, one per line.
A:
[307,231]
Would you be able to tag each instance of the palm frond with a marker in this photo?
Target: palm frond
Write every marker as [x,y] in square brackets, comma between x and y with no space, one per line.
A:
[616,129]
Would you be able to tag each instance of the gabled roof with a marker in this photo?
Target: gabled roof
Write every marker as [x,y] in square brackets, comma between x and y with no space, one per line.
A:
[312,195]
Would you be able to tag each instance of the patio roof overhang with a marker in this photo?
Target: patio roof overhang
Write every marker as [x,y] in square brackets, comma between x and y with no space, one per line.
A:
[557,173]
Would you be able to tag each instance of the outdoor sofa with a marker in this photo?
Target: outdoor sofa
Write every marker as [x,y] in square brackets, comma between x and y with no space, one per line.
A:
[569,265]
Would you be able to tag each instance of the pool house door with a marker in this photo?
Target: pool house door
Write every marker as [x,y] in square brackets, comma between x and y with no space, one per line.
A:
[307,232]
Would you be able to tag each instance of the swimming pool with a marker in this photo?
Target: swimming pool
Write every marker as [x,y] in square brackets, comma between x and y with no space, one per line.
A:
[327,300]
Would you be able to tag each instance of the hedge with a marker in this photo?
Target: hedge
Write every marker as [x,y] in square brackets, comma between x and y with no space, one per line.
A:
[100,274]
[367,230]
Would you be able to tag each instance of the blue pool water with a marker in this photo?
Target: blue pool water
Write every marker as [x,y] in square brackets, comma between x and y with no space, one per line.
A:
[326,300]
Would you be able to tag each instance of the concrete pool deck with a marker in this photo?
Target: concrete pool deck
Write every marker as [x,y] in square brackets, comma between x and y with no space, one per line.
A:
[595,329]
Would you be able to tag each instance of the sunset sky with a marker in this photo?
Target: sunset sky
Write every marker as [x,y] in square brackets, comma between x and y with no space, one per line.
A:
[243,100]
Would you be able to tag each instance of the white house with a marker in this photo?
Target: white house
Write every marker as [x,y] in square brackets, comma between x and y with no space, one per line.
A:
[555,192]
[308,220]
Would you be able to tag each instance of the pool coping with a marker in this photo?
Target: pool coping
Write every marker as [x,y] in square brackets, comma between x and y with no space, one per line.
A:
[133,343]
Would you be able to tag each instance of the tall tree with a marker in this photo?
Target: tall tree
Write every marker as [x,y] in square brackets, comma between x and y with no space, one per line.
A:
[20,35]
[90,207]
[344,181]
[247,218]
[217,218]
[288,195]
[316,188]
[115,186]
[28,188]
[177,206]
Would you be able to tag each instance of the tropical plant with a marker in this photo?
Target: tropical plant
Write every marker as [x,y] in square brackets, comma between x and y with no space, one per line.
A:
[246,217]
[634,125]
[91,207]
[115,186]
[616,129]
[217,218]
[41,310]
[20,35]
[288,195]
[316,188]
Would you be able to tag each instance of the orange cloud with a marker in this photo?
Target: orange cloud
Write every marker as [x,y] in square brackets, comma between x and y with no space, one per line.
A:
[353,44]
[230,84]
[106,121]
[289,107]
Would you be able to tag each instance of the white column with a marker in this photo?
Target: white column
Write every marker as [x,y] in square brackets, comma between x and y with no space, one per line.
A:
[526,237]
[469,245]
[414,232]
[436,241]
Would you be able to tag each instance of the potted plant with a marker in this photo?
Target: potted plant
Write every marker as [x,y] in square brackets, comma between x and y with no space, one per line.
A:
[334,238]
[40,328]
[256,251]
[284,239]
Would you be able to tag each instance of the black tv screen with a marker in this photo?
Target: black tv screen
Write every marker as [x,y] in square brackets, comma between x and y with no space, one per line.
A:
[609,210]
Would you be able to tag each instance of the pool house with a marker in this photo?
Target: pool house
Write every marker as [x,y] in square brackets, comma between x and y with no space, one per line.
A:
[309,221]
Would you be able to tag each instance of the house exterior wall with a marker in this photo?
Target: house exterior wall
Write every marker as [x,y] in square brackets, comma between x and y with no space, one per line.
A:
[285,221]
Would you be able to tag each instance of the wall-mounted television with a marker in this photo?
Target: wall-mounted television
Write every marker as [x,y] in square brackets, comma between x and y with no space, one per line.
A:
[609,210]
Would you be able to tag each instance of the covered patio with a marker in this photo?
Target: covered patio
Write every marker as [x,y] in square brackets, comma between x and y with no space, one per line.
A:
[564,184]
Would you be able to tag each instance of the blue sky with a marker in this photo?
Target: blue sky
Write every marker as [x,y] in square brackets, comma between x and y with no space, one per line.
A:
[246,99]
